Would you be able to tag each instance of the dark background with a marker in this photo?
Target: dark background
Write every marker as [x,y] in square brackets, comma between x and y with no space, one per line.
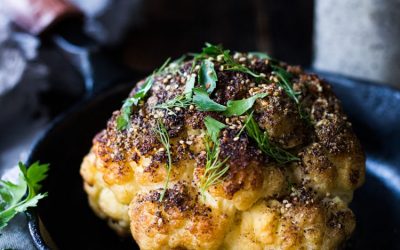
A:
[171,28]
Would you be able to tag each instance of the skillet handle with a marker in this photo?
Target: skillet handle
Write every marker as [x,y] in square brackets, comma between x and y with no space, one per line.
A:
[38,16]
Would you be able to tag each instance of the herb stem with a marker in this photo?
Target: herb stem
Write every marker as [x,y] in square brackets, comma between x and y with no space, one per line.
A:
[163,137]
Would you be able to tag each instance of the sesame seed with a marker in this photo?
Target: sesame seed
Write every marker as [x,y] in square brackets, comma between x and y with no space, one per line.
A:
[181,142]
[236,138]
[189,142]
[242,59]
[191,107]
[168,87]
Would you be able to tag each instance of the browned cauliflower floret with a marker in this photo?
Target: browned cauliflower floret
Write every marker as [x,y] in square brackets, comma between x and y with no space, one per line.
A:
[259,201]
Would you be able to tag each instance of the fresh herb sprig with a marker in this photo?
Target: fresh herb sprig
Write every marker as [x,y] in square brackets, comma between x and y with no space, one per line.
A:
[239,107]
[163,137]
[284,77]
[175,66]
[126,111]
[229,62]
[207,75]
[264,144]
[178,102]
[12,199]
[284,80]
[203,102]
[215,169]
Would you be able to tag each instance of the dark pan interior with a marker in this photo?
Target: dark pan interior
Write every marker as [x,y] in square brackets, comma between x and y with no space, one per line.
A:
[374,111]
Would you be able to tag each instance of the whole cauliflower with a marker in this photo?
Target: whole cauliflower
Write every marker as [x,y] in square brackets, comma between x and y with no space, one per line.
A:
[256,201]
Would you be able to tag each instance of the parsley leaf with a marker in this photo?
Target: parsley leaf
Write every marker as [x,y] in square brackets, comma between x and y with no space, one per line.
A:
[260,55]
[213,128]
[207,76]
[229,63]
[11,194]
[204,102]
[189,86]
[239,107]
[264,144]
[126,111]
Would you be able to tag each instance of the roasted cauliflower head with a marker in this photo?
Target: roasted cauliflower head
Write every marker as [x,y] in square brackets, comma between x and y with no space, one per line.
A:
[227,151]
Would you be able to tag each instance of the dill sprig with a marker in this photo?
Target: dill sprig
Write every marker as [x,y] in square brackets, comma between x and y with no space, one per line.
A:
[215,169]
[264,144]
[179,101]
[284,78]
[163,137]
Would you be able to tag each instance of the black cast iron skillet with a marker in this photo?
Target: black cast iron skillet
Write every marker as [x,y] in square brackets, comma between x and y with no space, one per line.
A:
[64,219]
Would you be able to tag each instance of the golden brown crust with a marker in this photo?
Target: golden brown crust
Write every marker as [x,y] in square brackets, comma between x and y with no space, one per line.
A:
[259,204]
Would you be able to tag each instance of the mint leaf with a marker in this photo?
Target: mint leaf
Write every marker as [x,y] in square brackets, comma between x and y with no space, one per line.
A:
[213,128]
[239,107]
[204,103]
[208,76]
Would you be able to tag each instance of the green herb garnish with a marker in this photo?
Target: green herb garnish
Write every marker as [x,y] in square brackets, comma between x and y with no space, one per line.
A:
[174,66]
[284,78]
[190,82]
[163,137]
[203,101]
[177,102]
[264,144]
[215,169]
[260,55]
[126,111]
[12,199]
[213,128]
[229,63]
[239,107]
[207,76]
